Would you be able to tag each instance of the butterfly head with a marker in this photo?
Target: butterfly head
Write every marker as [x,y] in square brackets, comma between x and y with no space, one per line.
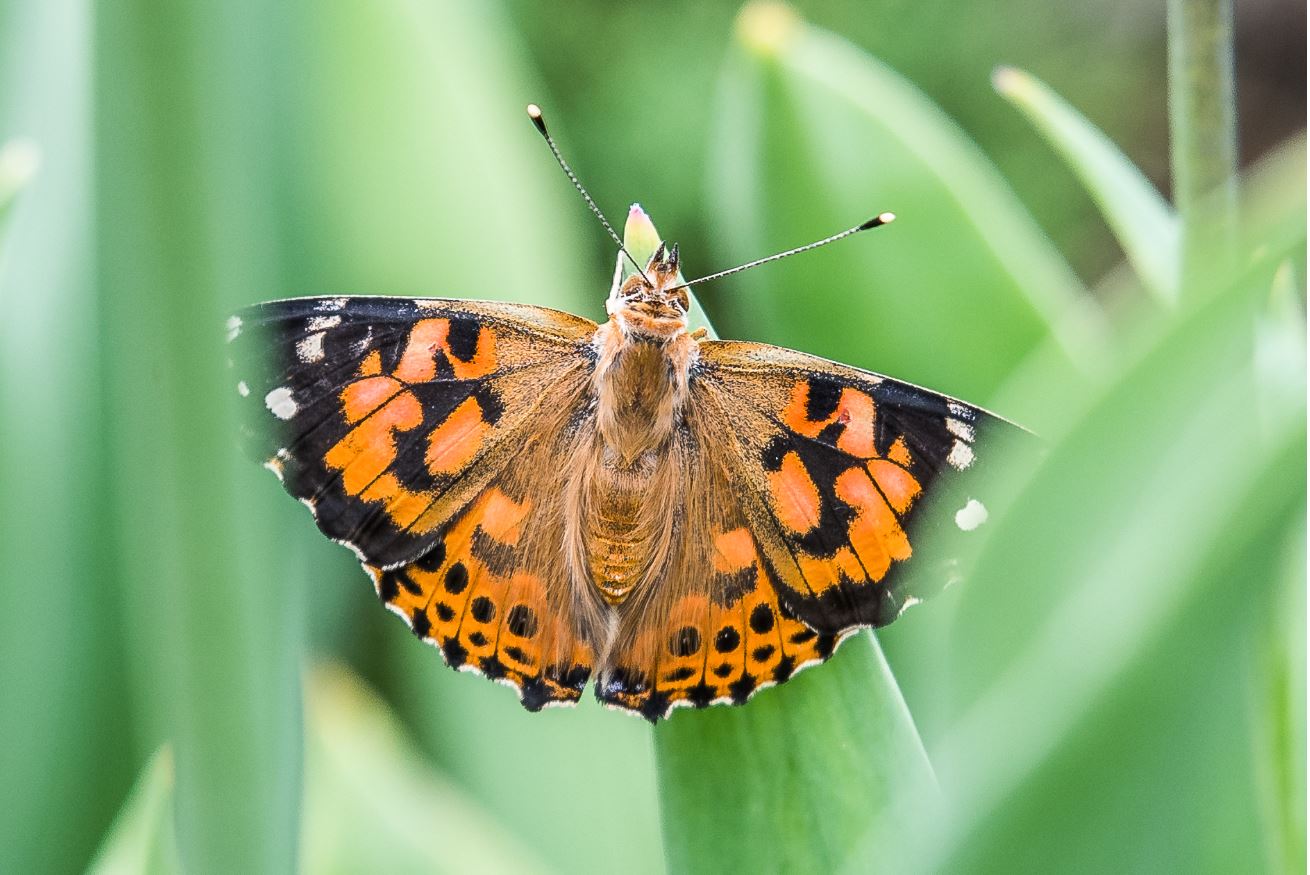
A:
[652,303]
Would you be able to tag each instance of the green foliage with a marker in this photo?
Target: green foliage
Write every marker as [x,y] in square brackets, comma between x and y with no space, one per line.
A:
[1143,222]
[1118,685]
[180,239]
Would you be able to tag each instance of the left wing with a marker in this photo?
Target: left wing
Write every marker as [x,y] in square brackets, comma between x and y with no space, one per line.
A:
[387,416]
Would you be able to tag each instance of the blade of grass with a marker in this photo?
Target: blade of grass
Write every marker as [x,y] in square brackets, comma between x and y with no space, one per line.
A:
[64,719]
[187,103]
[421,177]
[814,135]
[794,779]
[372,802]
[1278,705]
[1203,132]
[142,840]
[19,160]
[1142,221]
[1109,622]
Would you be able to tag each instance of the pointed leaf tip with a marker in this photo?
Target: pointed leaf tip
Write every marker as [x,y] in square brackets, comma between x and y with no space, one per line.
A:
[19,161]
[1007,80]
[639,234]
[767,26]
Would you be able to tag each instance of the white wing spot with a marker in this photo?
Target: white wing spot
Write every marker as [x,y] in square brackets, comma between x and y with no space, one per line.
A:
[242,389]
[280,402]
[233,328]
[960,429]
[961,455]
[971,516]
[323,323]
[275,465]
[959,410]
[310,349]
[332,303]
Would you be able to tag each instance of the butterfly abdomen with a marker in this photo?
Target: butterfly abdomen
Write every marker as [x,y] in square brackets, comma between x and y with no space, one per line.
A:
[640,387]
[616,543]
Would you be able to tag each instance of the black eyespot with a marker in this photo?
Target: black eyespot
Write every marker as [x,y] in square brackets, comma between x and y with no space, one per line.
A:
[457,578]
[483,609]
[521,621]
[727,640]
[685,642]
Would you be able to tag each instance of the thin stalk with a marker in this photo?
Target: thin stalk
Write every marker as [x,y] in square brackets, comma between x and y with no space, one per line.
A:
[1203,133]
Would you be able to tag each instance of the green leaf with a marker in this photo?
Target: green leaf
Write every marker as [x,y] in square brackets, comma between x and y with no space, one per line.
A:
[185,233]
[374,803]
[1278,709]
[66,713]
[794,779]
[1100,652]
[19,160]
[142,840]
[812,136]
[1273,227]
[423,177]
[1142,221]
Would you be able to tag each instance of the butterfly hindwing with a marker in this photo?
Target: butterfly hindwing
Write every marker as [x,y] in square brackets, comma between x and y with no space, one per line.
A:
[386,416]
[495,599]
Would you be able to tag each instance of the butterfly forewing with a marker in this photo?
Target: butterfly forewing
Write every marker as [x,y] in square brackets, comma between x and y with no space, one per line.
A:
[837,465]
[386,416]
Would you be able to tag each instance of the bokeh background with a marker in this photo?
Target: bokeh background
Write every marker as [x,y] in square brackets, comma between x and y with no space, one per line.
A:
[191,675]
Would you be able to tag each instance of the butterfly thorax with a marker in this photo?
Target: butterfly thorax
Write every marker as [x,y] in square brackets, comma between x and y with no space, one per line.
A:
[644,358]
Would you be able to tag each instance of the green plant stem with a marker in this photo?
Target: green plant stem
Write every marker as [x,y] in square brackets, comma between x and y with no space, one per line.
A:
[1203,132]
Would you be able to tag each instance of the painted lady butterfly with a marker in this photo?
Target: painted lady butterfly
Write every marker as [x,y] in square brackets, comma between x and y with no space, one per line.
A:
[549,500]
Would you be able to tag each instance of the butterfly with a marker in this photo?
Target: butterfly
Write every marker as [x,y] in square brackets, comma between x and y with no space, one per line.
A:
[551,501]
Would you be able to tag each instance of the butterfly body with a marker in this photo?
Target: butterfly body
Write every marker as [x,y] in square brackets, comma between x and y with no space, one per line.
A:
[551,501]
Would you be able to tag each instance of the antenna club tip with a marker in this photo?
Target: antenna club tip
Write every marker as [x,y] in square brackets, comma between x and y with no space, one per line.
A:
[534,113]
[880,219]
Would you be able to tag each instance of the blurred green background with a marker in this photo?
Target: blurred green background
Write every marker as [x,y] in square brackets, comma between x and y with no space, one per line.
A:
[193,678]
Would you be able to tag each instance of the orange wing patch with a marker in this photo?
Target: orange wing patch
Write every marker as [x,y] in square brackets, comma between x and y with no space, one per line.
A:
[379,407]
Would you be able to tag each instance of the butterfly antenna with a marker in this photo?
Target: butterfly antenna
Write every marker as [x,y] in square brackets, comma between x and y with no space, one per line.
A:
[876,221]
[534,113]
